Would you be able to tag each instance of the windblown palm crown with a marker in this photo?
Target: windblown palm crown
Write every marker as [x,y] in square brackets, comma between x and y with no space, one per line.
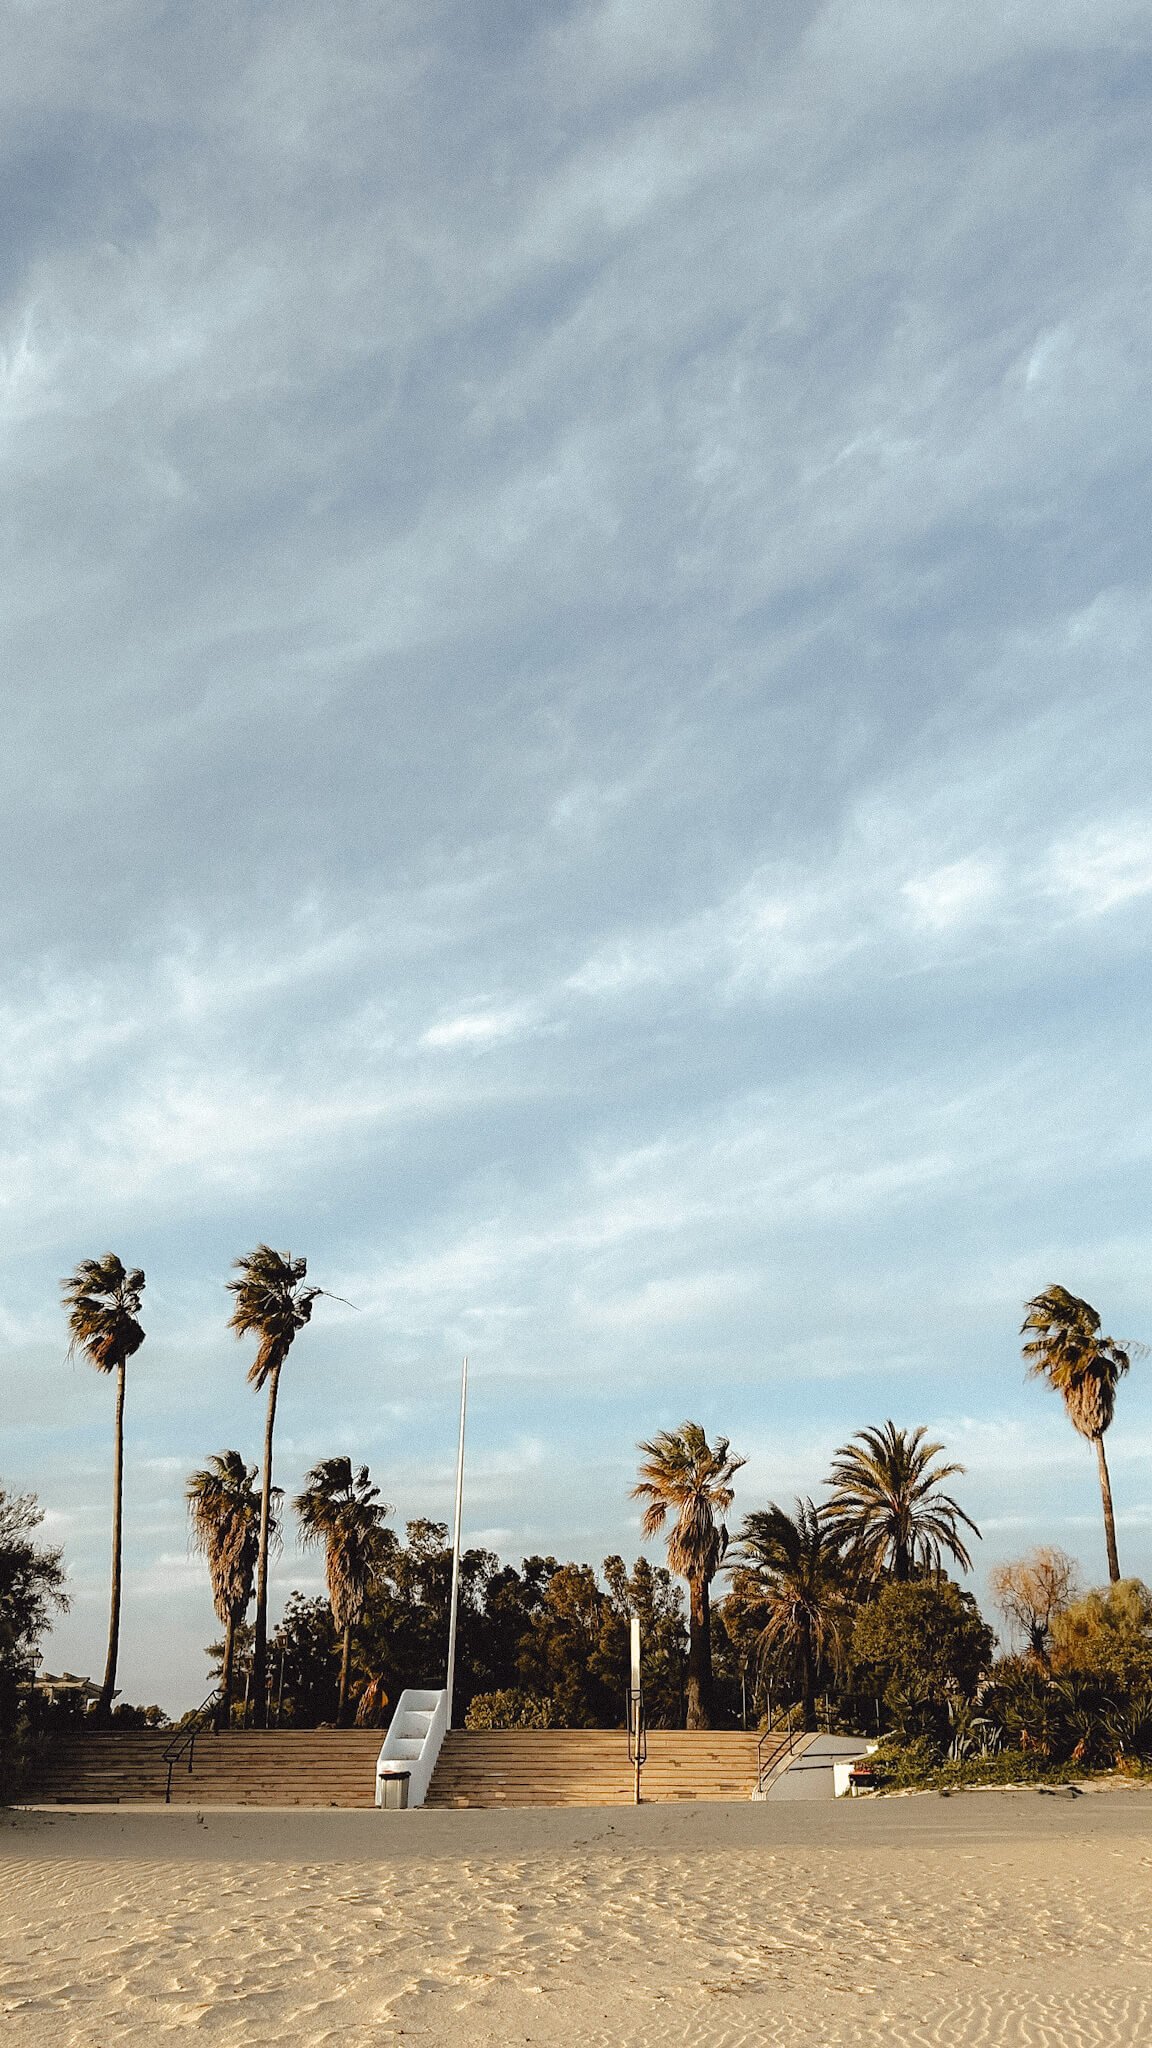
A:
[684,1474]
[888,1507]
[271,1303]
[1066,1349]
[341,1509]
[103,1298]
[224,1505]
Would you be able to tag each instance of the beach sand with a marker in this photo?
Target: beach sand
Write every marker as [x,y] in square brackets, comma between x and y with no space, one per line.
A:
[990,1918]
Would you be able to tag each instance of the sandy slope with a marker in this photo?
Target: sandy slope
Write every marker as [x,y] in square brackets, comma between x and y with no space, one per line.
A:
[993,1918]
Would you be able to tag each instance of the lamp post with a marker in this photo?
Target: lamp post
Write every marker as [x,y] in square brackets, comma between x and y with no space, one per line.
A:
[455,1595]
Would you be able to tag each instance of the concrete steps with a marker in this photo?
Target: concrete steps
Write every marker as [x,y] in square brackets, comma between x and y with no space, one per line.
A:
[242,1767]
[589,1767]
[327,1767]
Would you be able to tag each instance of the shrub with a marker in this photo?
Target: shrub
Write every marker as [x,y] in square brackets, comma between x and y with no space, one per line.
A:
[511,1708]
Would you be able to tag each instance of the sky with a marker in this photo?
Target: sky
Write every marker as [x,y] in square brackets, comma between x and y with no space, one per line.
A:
[576,720]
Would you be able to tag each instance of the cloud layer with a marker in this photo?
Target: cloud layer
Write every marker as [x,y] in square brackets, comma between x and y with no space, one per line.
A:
[577,631]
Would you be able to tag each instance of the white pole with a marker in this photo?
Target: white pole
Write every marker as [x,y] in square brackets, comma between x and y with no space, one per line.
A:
[455,1601]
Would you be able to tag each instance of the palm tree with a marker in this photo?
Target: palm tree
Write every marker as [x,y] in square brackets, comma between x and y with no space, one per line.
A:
[224,1504]
[1068,1351]
[342,1510]
[792,1565]
[888,1508]
[103,1299]
[684,1473]
[272,1303]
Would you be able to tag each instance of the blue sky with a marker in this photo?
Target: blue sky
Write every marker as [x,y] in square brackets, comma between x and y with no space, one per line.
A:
[576,631]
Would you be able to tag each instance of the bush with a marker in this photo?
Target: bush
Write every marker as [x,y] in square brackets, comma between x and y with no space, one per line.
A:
[510,1709]
[918,1767]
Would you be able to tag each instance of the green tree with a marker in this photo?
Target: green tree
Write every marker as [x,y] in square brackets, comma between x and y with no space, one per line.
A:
[31,1587]
[887,1506]
[224,1506]
[651,1594]
[686,1476]
[560,1654]
[272,1304]
[919,1643]
[303,1655]
[1107,1635]
[341,1510]
[792,1567]
[103,1299]
[1066,1348]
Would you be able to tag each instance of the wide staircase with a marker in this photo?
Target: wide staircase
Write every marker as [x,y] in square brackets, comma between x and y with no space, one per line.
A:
[241,1767]
[589,1767]
[326,1767]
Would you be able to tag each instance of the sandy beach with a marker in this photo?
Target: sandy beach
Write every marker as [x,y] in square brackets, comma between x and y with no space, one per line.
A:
[990,1918]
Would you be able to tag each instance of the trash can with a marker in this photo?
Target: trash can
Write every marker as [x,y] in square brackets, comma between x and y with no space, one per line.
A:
[393,1788]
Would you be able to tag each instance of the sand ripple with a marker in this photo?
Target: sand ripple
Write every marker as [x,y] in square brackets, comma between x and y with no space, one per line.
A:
[923,1944]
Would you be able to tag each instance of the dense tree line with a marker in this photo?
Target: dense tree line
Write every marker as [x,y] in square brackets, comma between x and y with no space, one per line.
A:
[838,1610]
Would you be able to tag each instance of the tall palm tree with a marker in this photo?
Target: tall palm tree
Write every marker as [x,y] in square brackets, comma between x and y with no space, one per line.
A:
[272,1304]
[888,1507]
[792,1565]
[103,1299]
[342,1510]
[1067,1350]
[224,1504]
[684,1474]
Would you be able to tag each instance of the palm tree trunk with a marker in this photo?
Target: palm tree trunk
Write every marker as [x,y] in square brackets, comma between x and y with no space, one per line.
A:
[345,1662]
[1109,1517]
[260,1643]
[224,1703]
[108,1689]
[699,1655]
[807,1683]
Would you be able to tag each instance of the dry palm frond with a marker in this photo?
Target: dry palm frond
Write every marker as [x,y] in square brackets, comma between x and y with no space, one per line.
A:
[341,1509]
[272,1303]
[684,1473]
[103,1298]
[224,1505]
[1067,1349]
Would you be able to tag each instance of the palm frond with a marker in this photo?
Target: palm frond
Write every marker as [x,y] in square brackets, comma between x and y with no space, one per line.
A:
[272,1304]
[103,1298]
[341,1510]
[888,1505]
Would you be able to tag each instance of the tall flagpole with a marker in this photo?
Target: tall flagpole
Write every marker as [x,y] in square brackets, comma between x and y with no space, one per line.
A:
[455,1602]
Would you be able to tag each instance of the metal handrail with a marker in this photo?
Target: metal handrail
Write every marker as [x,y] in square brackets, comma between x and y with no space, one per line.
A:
[185,1740]
[785,1744]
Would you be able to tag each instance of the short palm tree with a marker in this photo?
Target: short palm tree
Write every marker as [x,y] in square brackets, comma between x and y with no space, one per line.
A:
[224,1504]
[792,1565]
[341,1509]
[103,1299]
[683,1474]
[888,1508]
[272,1304]
[1066,1349]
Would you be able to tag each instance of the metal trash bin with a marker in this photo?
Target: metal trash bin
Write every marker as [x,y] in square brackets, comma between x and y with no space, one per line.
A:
[393,1788]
